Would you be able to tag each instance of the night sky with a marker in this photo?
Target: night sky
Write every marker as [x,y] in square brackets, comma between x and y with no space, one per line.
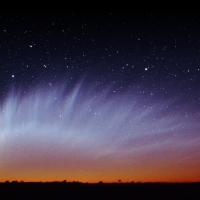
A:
[100,96]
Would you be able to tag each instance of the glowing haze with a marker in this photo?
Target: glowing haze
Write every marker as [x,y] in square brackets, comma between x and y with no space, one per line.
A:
[99,96]
[53,133]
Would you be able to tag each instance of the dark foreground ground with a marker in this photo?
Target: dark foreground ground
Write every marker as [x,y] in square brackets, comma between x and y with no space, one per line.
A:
[64,190]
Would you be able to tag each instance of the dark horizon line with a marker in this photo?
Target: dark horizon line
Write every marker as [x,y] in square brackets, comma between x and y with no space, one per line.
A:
[100,182]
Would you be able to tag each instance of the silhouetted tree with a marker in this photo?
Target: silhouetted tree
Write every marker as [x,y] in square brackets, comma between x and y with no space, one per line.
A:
[14,182]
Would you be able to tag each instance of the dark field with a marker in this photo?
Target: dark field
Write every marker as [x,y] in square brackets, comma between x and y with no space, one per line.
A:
[76,190]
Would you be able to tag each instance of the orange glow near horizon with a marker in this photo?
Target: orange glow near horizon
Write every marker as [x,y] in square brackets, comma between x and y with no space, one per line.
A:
[108,169]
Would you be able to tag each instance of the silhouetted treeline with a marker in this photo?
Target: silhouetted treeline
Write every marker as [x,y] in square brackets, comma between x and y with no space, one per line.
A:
[100,190]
